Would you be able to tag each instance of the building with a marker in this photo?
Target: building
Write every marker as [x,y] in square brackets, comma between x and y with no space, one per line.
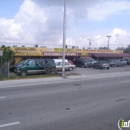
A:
[23,53]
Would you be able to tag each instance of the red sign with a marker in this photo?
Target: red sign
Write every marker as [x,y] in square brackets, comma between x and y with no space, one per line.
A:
[59,54]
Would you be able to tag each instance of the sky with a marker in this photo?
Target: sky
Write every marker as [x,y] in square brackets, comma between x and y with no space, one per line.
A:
[30,22]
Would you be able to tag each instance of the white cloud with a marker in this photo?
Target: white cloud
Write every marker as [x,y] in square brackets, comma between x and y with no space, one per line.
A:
[104,9]
[38,24]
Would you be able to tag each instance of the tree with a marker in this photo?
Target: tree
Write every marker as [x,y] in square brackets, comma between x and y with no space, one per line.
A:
[8,54]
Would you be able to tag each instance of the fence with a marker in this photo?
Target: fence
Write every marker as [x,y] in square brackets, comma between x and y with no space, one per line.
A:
[4,70]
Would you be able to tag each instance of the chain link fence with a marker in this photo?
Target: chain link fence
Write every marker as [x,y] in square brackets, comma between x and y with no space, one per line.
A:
[4,70]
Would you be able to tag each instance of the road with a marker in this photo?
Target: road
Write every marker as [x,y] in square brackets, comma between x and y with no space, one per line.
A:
[76,105]
[87,71]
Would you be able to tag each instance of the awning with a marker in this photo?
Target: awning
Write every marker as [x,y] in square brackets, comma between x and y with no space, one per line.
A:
[107,55]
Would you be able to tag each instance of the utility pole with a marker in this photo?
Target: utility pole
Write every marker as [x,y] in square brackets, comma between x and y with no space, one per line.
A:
[89,42]
[64,41]
[108,41]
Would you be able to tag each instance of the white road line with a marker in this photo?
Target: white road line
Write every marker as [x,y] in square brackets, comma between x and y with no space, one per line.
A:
[10,124]
[3,97]
[125,81]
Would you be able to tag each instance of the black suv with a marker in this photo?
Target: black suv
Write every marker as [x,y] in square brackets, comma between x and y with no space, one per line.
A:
[81,62]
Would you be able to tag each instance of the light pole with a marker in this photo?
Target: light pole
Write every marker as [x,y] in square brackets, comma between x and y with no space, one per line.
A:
[108,41]
[89,42]
[64,41]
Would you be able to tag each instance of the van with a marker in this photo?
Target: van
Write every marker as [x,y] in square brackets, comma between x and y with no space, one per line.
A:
[34,66]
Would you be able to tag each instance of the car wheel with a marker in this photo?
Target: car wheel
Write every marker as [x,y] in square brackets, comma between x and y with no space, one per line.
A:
[108,68]
[70,69]
[23,73]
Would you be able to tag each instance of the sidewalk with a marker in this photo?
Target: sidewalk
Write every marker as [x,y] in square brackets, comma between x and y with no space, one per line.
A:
[25,82]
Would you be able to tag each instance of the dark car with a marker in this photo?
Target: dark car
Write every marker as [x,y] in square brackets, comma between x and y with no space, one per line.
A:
[81,62]
[101,65]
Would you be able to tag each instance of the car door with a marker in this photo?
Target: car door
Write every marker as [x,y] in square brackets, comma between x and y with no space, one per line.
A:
[59,66]
[31,67]
[67,65]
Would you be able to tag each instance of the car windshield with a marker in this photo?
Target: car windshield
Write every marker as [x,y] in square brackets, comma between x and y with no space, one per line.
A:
[25,62]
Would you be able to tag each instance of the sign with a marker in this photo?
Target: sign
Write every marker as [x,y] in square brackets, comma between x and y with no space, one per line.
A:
[28,53]
[57,49]
[70,50]
[25,48]
[84,54]
[59,54]
[1,53]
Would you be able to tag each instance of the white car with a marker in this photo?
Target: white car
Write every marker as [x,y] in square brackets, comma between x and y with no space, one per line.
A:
[68,66]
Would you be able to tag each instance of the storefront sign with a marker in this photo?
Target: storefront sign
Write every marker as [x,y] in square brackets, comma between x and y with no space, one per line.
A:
[25,48]
[28,53]
[70,50]
[1,53]
[57,49]
[58,54]
[84,54]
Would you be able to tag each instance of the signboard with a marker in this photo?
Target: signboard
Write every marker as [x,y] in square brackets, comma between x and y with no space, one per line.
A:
[57,49]
[29,53]
[59,54]
[1,53]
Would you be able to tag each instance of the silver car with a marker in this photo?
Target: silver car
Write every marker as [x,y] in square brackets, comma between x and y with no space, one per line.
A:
[68,66]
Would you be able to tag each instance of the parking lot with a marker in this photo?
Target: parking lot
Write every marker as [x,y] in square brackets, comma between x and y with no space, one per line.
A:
[89,71]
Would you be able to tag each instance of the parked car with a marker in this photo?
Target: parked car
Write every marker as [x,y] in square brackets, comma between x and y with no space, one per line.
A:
[68,65]
[127,59]
[81,62]
[112,63]
[119,63]
[124,61]
[101,65]
[91,62]
[71,62]
[34,66]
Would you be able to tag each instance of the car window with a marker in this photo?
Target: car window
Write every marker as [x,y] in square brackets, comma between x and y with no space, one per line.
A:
[51,62]
[25,62]
[32,63]
[66,63]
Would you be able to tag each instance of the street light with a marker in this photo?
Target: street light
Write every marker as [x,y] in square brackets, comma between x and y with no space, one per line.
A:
[108,41]
[64,41]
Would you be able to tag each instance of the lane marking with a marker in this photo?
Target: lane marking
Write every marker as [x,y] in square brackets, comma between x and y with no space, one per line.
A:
[10,124]
[3,97]
[125,81]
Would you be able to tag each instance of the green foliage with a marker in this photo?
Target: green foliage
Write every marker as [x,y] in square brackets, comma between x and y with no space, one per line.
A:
[125,50]
[8,54]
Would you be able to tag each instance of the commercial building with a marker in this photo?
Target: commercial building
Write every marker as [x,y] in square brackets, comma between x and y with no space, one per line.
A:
[23,53]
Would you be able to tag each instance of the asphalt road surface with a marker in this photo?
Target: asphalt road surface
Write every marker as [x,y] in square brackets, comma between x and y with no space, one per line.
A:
[76,105]
[88,71]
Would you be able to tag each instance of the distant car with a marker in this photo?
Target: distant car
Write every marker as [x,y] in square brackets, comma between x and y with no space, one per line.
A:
[71,62]
[127,59]
[101,65]
[68,66]
[112,63]
[81,62]
[124,61]
[119,63]
[91,63]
